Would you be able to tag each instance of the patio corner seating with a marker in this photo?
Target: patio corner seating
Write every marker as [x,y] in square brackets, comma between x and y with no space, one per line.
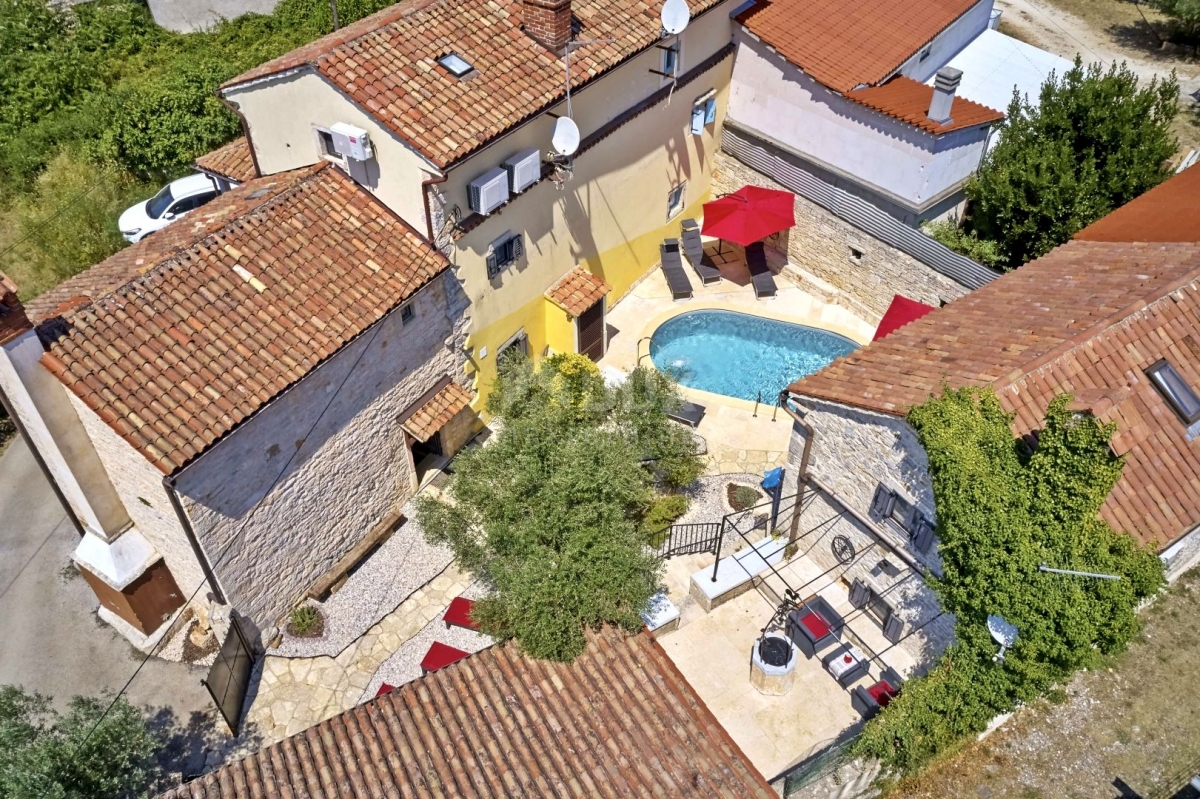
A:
[459,614]
[440,656]
[870,699]
[672,266]
[693,248]
[814,626]
[760,273]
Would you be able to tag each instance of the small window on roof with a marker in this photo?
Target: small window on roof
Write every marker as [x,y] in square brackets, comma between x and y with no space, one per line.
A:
[1175,390]
[457,65]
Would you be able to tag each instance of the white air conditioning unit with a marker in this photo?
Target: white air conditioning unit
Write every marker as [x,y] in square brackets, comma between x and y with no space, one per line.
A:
[489,191]
[352,142]
[524,169]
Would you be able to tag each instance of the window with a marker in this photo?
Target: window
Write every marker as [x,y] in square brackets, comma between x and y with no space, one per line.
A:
[856,254]
[159,202]
[406,314]
[505,252]
[890,509]
[925,53]
[675,200]
[1175,391]
[670,59]
[455,64]
[704,112]
[517,345]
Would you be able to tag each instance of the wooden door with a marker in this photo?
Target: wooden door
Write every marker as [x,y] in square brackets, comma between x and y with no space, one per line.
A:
[591,331]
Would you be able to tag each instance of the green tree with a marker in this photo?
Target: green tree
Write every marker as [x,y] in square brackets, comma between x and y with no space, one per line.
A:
[548,513]
[1095,141]
[44,753]
[1186,14]
[950,233]
[1002,511]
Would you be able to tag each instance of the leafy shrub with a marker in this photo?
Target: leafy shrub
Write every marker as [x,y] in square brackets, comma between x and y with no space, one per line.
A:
[306,622]
[74,755]
[742,497]
[979,250]
[1002,511]
[662,512]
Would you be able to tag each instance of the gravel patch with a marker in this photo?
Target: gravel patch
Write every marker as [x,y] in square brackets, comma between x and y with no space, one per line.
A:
[404,665]
[707,502]
[402,565]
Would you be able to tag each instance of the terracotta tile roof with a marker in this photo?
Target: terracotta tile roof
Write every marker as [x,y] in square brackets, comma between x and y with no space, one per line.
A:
[1168,212]
[387,64]
[13,321]
[849,43]
[619,721]
[577,290]
[908,101]
[437,411]
[233,161]
[1089,317]
[178,340]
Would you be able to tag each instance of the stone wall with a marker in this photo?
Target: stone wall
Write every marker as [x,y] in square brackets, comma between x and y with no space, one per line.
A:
[854,451]
[278,501]
[820,248]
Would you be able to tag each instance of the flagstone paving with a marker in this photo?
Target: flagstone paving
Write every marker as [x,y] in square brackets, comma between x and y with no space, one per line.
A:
[294,693]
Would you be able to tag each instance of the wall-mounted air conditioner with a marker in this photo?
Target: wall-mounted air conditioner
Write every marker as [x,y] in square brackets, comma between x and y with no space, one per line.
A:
[489,191]
[351,142]
[524,169]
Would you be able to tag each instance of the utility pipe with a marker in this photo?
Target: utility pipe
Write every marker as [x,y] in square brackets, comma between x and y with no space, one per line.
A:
[802,477]
[190,532]
[425,186]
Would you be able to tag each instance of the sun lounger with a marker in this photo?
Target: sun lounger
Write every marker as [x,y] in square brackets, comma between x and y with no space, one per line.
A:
[693,248]
[688,413]
[672,266]
[760,273]
[440,656]
[459,614]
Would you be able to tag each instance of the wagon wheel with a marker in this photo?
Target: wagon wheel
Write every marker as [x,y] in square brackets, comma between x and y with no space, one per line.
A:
[842,548]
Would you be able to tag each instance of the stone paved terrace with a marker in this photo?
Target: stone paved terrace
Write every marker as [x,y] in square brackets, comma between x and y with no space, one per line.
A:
[738,440]
[713,649]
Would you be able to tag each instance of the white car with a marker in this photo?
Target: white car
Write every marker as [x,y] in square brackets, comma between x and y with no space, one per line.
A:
[176,199]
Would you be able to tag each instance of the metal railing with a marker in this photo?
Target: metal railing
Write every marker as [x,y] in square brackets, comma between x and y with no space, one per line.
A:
[688,539]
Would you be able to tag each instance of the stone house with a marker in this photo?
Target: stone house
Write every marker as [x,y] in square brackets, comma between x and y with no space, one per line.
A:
[229,406]
[1110,317]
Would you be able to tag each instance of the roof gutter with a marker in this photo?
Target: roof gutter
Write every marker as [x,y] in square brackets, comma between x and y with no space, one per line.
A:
[232,106]
[190,532]
[37,457]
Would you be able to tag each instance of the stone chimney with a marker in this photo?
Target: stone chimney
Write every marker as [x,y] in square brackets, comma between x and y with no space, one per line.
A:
[944,87]
[548,22]
[13,321]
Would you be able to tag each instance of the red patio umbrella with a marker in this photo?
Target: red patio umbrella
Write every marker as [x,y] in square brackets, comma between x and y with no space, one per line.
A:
[900,313]
[749,214]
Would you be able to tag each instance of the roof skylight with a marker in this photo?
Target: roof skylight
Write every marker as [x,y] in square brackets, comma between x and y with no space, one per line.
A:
[457,65]
[1175,390]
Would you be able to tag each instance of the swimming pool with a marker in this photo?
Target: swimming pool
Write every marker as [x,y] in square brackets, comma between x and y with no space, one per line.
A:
[738,355]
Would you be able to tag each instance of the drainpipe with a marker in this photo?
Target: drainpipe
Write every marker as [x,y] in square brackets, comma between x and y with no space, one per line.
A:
[232,106]
[197,550]
[37,457]
[425,184]
[802,478]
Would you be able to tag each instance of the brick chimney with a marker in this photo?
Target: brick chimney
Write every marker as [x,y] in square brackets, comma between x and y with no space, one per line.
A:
[548,22]
[13,321]
[944,87]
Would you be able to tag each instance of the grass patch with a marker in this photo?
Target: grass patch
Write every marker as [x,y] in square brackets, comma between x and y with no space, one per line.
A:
[742,497]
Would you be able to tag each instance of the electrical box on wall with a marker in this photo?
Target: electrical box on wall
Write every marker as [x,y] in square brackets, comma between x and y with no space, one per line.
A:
[352,142]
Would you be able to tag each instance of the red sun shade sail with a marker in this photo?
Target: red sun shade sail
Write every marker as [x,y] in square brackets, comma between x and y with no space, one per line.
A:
[750,214]
[900,313]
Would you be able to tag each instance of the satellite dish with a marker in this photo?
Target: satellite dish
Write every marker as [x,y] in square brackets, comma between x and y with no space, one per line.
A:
[565,140]
[1004,633]
[675,16]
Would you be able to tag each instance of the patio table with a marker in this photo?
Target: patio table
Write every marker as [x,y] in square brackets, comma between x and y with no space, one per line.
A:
[459,613]
[845,663]
[439,656]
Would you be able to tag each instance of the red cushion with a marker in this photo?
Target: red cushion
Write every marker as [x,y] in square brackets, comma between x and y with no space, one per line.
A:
[882,692]
[439,656]
[817,627]
[459,613]
[384,689]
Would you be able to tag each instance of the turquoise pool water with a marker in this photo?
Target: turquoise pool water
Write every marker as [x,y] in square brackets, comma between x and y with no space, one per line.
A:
[738,355]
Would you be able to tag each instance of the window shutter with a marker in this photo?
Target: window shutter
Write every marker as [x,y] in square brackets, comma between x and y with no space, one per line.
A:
[710,111]
[698,119]
[882,504]
[860,594]
[893,628]
[493,265]
[923,535]
[516,248]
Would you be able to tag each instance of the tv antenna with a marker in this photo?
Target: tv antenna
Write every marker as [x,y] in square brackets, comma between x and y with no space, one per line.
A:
[1004,634]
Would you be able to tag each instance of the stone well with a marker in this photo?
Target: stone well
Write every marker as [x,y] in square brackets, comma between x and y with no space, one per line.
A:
[773,664]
